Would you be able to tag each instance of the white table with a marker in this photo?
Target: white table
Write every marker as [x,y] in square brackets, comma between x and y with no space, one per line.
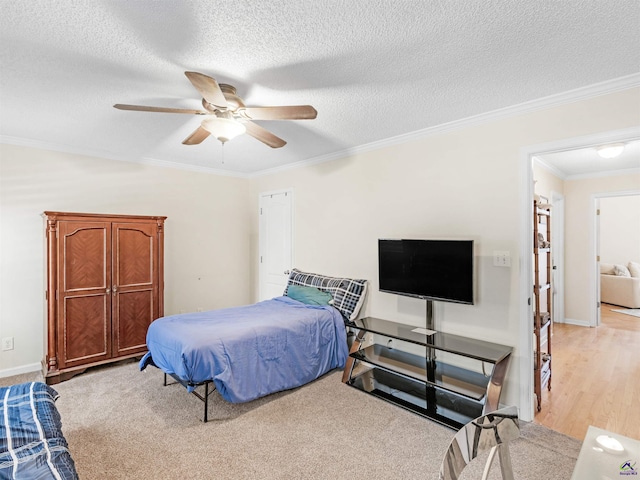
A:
[597,462]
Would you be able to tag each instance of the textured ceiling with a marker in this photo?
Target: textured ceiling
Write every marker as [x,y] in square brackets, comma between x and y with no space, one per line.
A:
[586,161]
[373,69]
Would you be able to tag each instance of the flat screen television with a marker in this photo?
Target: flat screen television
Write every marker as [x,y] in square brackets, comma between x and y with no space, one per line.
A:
[430,269]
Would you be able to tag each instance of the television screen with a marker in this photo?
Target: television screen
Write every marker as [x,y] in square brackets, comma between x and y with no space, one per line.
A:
[430,269]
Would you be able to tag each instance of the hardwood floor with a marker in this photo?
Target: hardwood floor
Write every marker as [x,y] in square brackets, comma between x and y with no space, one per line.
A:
[596,377]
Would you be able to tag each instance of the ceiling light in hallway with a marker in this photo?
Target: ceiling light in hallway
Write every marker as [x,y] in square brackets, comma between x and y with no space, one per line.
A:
[610,151]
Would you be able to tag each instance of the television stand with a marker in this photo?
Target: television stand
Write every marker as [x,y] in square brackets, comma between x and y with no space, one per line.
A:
[447,378]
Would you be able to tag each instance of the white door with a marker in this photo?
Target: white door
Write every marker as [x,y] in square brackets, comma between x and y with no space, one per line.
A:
[276,245]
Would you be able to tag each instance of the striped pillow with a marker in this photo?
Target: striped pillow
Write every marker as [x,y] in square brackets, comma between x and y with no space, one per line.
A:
[348,293]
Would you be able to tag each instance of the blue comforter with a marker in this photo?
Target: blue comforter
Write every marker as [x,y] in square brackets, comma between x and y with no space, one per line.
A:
[250,351]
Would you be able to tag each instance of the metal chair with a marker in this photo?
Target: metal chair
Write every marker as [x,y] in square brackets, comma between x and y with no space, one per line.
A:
[493,431]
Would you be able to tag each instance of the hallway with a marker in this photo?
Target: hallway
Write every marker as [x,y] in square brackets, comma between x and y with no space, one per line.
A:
[596,377]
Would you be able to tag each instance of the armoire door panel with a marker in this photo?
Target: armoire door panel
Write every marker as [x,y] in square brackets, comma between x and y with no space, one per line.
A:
[85,251]
[135,280]
[134,312]
[133,247]
[86,323]
[84,281]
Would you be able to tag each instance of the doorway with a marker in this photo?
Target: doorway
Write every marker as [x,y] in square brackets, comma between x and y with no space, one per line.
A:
[589,295]
[615,238]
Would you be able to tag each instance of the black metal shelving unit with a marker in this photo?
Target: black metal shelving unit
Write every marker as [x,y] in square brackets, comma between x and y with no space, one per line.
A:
[448,378]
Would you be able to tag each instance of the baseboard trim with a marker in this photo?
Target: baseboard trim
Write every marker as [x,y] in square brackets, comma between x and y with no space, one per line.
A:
[573,321]
[10,372]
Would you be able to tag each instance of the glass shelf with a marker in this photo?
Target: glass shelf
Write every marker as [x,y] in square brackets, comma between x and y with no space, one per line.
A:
[467,347]
[447,409]
[448,392]
[449,377]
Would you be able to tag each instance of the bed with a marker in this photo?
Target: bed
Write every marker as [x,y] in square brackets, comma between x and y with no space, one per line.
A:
[251,351]
[32,445]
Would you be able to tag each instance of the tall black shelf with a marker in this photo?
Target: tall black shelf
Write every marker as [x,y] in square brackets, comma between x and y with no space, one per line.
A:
[421,377]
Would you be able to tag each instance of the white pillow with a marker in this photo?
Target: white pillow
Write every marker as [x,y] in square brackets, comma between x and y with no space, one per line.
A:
[607,269]
[634,269]
[621,271]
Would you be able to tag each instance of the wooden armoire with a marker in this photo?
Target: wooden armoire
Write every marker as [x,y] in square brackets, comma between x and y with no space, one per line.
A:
[104,288]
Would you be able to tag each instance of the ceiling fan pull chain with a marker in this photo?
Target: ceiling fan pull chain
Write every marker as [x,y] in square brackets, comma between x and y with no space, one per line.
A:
[223,153]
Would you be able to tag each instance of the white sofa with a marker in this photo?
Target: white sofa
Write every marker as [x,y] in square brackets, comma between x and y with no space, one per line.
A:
[618,289]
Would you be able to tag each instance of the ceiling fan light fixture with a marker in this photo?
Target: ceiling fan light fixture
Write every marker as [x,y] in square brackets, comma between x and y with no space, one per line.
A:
[226,116]
[224,129]
[610,151]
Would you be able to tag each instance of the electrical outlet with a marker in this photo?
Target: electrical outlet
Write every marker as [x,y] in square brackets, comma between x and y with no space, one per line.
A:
[7,343]
[199,309]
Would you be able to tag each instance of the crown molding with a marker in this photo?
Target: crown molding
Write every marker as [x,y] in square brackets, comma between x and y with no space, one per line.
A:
[608,173]
[570,96]
[307,163]
[622,135]
[56,147]
[549,168]
[590,91]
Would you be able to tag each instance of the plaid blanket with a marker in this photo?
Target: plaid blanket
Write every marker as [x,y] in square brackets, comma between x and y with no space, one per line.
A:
[31,442]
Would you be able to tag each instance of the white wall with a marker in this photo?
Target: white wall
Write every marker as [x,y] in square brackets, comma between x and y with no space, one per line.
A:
[546,182]
[459,184]
[206,233]
[579,230]
[620,229]
[465,183]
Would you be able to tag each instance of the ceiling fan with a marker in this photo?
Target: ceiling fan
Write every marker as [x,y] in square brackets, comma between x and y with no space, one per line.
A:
[226,115]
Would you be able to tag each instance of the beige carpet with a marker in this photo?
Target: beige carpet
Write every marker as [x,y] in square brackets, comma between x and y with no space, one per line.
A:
[123,424]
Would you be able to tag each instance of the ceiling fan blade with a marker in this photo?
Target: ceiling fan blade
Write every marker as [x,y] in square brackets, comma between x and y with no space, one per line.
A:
[141,108]
[208,88]
[293,112]
[264,135]
[196,137]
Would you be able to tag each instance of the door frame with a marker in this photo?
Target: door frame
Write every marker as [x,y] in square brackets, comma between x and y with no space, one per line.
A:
[525,342]
[557,256]
[261,246]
